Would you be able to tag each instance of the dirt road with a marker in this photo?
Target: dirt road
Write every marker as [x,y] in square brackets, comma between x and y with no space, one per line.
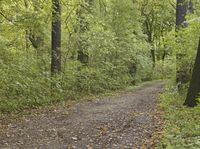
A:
[124,121]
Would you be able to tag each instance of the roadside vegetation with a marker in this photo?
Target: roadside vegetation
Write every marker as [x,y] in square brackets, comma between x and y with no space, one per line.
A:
[182,129]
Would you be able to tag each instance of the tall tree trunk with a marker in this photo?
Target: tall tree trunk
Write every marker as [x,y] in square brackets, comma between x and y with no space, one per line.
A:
[82,44]
[194,88]
[181,11]
[150,33]
[56,37]
[191,7]
[153,57]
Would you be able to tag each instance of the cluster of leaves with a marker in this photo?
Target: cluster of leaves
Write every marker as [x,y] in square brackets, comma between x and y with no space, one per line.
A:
[182,129]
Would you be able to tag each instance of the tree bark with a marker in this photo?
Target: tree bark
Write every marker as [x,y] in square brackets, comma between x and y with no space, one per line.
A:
[191,7]
[36,41]
[83,56]
[56,37]
[153,57]
[181,11]
[194,88]
[150,33]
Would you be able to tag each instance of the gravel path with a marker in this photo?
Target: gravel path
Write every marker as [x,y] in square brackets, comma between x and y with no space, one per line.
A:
[124,121]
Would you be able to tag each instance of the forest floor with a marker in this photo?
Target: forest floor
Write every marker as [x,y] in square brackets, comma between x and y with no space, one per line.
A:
[128,120]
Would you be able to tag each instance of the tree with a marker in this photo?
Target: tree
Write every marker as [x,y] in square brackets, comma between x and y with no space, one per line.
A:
[157,23]
[105,46]
[36,40]
[191,7]
[82,12]
[181,11]
[181,72]
[56,37]
[194,88]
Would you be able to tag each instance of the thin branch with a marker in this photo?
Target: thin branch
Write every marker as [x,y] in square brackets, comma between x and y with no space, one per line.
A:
[8,19]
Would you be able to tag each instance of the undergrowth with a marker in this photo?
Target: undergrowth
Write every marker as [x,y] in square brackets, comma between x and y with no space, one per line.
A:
[182,127]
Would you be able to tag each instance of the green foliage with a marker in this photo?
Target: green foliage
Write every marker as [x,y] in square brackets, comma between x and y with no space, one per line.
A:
[182,129]
[164,69]
[114,39]
[185,44]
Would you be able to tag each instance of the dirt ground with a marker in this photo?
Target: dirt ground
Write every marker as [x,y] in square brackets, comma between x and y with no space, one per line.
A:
[129,120]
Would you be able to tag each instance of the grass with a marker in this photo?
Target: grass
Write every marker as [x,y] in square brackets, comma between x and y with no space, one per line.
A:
[182,124]
[24,107]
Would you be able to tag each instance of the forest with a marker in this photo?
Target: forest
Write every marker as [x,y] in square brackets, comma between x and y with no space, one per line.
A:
[130,63]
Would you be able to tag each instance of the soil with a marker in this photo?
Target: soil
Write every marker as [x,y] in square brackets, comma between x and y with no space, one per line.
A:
[129,120]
